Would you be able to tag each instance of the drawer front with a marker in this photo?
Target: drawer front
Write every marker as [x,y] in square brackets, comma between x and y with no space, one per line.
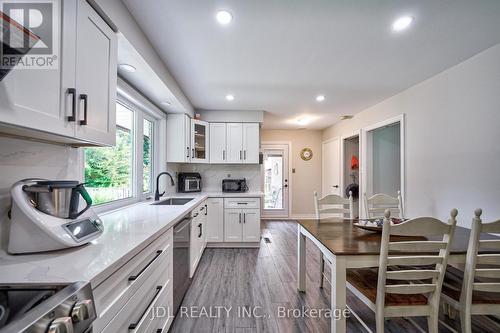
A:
[139,313]
[112,294]
[243,203]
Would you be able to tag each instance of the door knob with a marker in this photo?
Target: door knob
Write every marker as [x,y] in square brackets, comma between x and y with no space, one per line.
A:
[336,186]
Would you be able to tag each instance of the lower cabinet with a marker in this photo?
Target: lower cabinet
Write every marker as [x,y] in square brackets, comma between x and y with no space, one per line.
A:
[125,301]
[198,242]
[242,224]
[215,220]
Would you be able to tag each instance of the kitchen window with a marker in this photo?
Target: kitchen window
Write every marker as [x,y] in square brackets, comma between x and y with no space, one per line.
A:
[123,174]
[109,171]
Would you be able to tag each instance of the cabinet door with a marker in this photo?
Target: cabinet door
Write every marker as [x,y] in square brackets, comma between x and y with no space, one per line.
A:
[251,225]
[199,141]
[194,248]
[96,58]
[215,220]
[39,98]
[232,225]
[234,143]
[178,138]
[251,143]
[218,143]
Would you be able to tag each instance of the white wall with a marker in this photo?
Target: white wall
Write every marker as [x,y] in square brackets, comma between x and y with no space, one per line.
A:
[21,159]
[452,138]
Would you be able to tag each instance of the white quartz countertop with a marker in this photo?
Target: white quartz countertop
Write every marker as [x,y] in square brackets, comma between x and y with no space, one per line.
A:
[127,231]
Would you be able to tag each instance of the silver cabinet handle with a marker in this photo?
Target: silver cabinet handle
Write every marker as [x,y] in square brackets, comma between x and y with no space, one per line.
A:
[72,92]
[188,152]
[239,214]
[223,155]
[241,155]
[245,155]
[244,217]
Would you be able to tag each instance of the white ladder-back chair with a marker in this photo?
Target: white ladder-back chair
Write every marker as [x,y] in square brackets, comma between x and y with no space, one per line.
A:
[376,205]
[480,290]
[407,285]
[331,204]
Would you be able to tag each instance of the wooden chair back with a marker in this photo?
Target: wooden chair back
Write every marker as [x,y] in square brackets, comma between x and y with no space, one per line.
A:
[476,276]
[376,205]
[405,270]
[333,204]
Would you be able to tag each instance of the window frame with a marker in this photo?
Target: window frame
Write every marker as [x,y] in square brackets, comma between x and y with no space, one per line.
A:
[142,109]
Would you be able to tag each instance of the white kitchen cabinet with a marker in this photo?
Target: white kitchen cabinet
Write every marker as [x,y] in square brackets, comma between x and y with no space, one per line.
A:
[234,143]
[251,225]
[48,104]
[95,77]
[200,136]
[218,143]
[232,225]
[241,224]
[198,242]
[215,220]
[251,143]
[178,138]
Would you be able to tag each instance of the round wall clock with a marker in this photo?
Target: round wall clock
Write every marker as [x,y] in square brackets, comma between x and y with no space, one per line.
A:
[306,154]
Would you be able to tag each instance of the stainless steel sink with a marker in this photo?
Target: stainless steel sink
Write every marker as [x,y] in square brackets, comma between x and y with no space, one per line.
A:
[173,202]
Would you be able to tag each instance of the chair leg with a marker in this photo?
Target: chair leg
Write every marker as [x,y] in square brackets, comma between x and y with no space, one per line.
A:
[433,322]
[379,322]
[465,321]
[322,269]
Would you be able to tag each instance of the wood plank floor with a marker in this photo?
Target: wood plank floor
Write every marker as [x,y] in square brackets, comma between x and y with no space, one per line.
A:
[264,280]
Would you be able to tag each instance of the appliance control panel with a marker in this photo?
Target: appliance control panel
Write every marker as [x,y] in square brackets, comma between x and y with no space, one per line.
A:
[83,229]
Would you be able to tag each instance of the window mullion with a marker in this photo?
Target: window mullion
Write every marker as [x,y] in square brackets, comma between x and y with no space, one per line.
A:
[138,156]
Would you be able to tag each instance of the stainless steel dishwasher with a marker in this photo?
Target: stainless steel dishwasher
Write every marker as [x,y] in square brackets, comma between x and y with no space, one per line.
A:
[182,243]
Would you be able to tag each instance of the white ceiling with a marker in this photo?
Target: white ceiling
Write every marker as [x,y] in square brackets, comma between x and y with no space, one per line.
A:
[277,55]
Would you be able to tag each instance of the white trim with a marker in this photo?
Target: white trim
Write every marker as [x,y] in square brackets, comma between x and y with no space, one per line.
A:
[401,119]
[133,99]
[356,133]
[290,175]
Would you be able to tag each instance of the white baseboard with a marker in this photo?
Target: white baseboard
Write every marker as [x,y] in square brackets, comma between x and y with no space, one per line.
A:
[302,217]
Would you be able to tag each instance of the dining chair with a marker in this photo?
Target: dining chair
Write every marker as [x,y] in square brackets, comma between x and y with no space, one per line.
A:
[331,204]
[399,287]
[376,205]
[479,293]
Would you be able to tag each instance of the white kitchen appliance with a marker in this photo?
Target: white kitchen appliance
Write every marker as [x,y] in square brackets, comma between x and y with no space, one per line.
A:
[46,216]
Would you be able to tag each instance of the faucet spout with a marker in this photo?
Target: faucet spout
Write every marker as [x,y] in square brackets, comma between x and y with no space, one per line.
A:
[157,192]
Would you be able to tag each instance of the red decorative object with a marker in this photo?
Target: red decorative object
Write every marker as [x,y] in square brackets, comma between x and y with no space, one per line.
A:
[354,163]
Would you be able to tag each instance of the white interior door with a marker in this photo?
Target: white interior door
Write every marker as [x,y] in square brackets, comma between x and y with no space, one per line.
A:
[275,180]
[331,167]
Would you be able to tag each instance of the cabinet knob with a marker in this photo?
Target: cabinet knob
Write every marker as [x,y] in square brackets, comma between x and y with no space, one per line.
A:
[82,310]
[61,325]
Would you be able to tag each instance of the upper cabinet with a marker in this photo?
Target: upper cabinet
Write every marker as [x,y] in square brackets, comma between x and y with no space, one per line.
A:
[234,143]
[251,143]
[218,152]
[178,138]
[75,102]
[199,141]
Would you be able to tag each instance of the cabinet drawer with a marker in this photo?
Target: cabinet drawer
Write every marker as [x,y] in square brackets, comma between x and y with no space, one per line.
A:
[242,203]
[112,294]
[139,313]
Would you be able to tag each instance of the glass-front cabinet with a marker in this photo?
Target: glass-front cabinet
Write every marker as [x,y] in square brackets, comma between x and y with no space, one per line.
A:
[199,141]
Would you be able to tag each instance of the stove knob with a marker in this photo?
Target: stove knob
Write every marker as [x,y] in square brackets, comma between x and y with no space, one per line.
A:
[82,310]
[61,325]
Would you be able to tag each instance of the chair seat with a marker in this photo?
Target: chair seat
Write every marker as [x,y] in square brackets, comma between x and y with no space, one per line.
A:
[452,287]
[365,281]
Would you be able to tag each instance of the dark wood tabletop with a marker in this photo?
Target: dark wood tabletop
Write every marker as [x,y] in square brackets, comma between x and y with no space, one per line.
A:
[343,238]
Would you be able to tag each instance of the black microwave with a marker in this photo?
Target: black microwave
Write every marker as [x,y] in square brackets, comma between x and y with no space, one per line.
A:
[234,185]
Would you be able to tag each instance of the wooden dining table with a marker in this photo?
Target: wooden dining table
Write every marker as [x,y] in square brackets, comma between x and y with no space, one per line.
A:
[347,246]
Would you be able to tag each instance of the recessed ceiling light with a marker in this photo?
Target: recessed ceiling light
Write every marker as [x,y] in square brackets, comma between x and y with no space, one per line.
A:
[224,17]
[127,68]
[402,23]
[302,121]
[230,97]
[320,98]
[166,103]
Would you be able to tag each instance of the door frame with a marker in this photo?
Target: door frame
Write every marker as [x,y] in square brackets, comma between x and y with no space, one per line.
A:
[342,164]
[323,155]
[401,119]
[290,182]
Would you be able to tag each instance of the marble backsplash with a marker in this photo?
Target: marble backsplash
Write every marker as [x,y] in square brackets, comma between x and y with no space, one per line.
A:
[212,175]
[20,159]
